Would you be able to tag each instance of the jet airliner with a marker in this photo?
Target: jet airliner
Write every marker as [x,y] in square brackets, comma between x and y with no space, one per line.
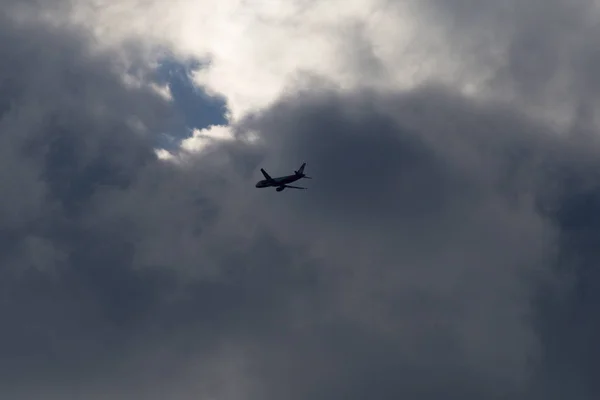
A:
[281,182]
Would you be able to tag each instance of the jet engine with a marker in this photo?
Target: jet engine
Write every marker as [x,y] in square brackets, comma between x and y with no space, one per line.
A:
[280,188]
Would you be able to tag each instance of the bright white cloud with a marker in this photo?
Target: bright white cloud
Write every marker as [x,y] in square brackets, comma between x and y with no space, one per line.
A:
[163,154]
[257,47]
[162,91]
[201,138]
[197,143]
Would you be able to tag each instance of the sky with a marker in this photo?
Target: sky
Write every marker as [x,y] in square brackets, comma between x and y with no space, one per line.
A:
[445,248]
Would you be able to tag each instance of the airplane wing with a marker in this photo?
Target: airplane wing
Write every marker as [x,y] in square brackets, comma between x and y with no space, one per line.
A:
[267,177]
[294,187]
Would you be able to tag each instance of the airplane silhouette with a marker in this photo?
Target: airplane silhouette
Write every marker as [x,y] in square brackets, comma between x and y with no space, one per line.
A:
[281,182]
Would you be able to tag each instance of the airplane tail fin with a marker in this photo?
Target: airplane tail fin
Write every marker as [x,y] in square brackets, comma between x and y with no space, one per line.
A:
[301,169]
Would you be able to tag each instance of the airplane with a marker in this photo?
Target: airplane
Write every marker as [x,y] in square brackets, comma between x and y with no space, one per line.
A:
[281,182]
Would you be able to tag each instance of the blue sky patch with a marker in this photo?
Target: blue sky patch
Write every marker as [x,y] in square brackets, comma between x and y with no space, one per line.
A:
[196,109]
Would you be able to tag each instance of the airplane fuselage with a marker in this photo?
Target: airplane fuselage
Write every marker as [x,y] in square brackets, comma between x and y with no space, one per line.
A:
[275,182]
[282,182]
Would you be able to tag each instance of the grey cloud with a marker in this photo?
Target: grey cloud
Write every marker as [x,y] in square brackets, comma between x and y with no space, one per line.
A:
[412,267]
[65,133]
[541,52]
[432,233]
[455,212]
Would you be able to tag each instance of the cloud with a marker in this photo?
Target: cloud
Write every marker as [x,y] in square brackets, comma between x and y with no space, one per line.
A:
[445,247]
[432,233]
[201,138]
[253,49]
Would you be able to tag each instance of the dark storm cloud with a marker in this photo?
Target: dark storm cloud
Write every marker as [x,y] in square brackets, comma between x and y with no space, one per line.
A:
[430,234]
[412,267]
[444,228]
[549,57]
[99,238]
[65,131]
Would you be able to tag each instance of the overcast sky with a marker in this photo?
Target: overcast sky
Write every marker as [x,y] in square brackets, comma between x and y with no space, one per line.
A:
[446,247]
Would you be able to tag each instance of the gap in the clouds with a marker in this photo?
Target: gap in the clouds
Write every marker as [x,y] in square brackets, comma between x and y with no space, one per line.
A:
[196,109]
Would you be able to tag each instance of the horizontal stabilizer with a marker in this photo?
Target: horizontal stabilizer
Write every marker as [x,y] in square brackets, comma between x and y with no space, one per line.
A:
[294,187]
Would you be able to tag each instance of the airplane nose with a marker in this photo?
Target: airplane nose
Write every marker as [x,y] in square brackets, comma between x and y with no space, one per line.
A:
[257,184]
